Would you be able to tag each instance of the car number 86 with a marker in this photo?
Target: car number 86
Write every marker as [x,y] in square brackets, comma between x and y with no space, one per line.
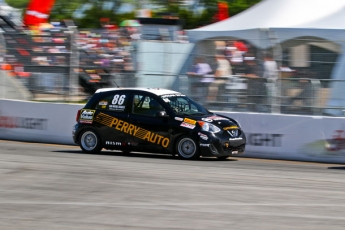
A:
[118,100]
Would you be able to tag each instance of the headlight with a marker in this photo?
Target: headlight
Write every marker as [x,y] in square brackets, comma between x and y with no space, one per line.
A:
[209,127]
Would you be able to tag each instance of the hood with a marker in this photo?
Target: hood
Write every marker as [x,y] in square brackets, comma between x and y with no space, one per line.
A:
[221,121]
[218,120]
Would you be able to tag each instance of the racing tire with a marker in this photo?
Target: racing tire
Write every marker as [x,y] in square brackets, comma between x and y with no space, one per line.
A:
[187,148]
[90,142]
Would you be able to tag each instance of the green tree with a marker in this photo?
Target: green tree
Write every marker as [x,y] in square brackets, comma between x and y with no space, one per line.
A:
[96,9]
[20,4]
[65,9]
[102,9]
[193,18]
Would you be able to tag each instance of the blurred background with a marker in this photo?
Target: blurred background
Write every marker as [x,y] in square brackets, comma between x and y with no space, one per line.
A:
[63,51]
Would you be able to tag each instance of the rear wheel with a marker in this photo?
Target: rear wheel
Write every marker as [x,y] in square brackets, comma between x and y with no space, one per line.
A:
[90,141]
[187,148]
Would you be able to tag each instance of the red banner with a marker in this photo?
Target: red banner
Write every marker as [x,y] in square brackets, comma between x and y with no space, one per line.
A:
[223,11]
[38,12]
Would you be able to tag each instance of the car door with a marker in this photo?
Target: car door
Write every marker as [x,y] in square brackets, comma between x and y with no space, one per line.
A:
[112,117]
[152,132]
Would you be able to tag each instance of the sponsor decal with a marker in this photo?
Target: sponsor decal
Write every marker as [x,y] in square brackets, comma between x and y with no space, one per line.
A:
[333,146]
[337,141]
[113,143]
[23,123]
[103,103]
[187,125]
[117,107]
[213,118]
[132,142]
[178,118]
[86,116]
[203,136]
[231,127]
[264,139]
[190,121]
[205,145]
[234,139]
[132,130]
[233,132]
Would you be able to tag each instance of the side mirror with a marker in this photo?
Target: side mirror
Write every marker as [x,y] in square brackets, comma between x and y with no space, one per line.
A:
[162,114]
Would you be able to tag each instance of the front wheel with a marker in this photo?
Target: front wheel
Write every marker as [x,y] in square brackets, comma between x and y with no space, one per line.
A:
[90,141]
[187,148]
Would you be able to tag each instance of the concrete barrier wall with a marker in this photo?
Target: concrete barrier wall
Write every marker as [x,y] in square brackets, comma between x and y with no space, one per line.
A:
[277,136]
[37,122]
[273,136]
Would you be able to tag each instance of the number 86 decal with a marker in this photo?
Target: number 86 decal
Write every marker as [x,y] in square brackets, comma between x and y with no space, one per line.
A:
[118,99]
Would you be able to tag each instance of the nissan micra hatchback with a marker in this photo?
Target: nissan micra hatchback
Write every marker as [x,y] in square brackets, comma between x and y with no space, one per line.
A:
[155,121]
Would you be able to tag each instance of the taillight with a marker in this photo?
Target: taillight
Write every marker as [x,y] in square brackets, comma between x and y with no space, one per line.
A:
[78,115]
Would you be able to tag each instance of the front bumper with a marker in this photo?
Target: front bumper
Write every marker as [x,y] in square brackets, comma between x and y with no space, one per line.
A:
[221,145]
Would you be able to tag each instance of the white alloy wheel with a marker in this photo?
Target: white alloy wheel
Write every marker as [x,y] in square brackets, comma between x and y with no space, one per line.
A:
[187,148]
[90,142]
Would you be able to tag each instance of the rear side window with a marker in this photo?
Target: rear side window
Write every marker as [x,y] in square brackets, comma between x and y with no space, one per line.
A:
[146,105]
[117,102]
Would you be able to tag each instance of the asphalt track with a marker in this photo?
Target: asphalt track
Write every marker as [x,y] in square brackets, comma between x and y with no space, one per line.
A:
[57,187]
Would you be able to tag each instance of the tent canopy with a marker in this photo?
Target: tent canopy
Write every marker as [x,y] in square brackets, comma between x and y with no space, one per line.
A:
[275,15]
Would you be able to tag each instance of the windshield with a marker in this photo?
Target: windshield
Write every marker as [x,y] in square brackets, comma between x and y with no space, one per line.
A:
[183,105]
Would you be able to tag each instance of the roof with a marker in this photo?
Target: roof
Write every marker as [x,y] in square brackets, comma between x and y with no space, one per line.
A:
[331,21]
[157,91]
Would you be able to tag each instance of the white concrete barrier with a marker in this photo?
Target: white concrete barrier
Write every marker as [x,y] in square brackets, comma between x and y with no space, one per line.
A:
[37,121]
[274,136]
[293,137]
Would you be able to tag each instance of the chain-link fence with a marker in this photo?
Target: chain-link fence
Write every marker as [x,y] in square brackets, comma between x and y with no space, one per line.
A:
[70,65]
[248,94]
[303,83]
[64,64]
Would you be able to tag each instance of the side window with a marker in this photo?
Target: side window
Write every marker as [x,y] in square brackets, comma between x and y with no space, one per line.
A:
[115,102]
[146,105]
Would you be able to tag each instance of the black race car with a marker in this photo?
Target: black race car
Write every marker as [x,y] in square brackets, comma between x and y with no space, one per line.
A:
[157,121]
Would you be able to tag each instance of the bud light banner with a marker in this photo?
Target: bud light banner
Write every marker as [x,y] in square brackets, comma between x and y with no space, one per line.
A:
[38,12]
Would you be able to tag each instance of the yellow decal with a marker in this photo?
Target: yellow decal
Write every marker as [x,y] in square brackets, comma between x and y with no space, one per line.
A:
[132,130]
[230,127]
[190,121]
